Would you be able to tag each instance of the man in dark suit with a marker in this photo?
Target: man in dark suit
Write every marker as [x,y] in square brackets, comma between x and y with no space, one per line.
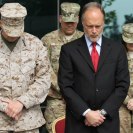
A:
[93,77]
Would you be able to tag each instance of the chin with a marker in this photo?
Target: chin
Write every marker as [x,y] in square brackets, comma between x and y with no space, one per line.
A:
[95,39]
[69,33]
[12,39]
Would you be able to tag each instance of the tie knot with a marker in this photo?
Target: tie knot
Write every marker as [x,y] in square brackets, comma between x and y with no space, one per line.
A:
[94,44]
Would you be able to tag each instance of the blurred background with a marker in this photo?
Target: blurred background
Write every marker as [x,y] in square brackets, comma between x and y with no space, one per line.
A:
[43,15]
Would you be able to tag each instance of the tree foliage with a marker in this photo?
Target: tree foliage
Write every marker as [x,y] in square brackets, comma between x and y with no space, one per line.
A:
[111,26]
[129,18]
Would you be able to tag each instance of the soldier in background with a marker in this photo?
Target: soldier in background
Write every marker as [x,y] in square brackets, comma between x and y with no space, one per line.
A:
[24,74]
[127,107]
[69,19]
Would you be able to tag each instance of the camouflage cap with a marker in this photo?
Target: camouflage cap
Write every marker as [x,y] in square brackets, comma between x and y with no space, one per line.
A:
[70,11]
[127,34]
[12,17]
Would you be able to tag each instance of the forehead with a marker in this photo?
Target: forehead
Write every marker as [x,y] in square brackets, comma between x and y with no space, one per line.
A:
[93,15]
[68,23]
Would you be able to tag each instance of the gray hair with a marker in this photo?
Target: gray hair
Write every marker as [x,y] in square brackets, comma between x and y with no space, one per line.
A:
[92,5]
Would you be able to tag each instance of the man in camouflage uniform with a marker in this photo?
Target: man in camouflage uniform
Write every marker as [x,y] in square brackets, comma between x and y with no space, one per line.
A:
[126,116]
[68,32]
[24,74]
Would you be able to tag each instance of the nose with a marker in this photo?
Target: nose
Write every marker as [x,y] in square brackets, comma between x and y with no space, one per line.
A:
[94,29]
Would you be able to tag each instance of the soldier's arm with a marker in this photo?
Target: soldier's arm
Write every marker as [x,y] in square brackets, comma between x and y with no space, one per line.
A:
[46,44]
[129,96]
[38,91]
[54,85]
[126,100]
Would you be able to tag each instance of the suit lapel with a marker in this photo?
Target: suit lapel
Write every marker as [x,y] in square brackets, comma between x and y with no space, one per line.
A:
[83,50]
[105,49]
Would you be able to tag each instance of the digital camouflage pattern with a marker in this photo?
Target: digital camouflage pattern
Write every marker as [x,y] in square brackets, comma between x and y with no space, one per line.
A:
[12,17]
[125,120]
[126,117]
[31,131]
[127,34]
[24,76]
[3,106]
[55,103]
[70,12]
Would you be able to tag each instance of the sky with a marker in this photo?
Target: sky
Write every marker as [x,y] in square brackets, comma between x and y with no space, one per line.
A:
[122,7]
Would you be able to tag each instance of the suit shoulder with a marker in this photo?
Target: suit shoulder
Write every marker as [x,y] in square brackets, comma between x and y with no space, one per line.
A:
[114,43]
[72,43]
[116,46]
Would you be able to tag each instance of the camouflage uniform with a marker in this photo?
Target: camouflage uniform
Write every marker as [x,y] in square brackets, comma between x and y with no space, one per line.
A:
[55,103]
[126,117]
[125,114]
[24,75]
[30,131]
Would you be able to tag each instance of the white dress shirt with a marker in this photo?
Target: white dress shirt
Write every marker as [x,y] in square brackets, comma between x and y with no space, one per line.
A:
[98,48]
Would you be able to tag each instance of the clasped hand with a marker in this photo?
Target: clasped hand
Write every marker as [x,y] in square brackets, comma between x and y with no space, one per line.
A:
[13,109]
[94,118]
[130,104]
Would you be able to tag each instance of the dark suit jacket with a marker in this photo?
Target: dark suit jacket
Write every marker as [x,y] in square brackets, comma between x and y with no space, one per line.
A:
[82,88]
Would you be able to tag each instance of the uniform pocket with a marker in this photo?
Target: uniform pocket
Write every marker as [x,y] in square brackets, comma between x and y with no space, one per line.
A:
[28,67]
[28,71]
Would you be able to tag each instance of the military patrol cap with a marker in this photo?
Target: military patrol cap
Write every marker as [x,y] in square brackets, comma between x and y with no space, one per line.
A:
[127,34]
[12,17]
[70,11]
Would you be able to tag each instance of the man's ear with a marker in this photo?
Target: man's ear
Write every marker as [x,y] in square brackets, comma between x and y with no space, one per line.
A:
[78,19]
[60,18]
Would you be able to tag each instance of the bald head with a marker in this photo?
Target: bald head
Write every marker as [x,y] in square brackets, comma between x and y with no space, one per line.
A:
[92,6]
[93,20]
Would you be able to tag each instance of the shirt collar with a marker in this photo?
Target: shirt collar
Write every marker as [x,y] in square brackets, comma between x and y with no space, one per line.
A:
[99,41]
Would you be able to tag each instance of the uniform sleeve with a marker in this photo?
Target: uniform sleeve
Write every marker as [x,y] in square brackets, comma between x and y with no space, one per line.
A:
[38,91]
[54,83]
[47,43]
[129,96]
[126,100]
